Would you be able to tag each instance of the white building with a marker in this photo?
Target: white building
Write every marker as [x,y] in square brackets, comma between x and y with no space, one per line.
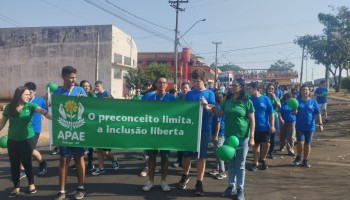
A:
[101,52]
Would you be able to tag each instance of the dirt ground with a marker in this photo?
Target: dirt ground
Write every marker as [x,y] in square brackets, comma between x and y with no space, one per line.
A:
[327,179]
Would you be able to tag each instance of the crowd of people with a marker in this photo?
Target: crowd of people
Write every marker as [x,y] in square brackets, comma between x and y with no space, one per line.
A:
[241,111]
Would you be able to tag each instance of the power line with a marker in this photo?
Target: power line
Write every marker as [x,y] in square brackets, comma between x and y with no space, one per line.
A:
[138,17]
[11,21]
[249,48]
[140,26]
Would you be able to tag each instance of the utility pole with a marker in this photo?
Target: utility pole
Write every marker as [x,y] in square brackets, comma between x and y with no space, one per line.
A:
[302,66]
[216,62]
[97,56]
[312,75]
[306,67]
[175,4]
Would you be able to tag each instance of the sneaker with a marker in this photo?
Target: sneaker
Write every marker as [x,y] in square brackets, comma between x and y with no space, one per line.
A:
[90,167]
[98,171]
[213,172]
[55,151]
[240,195]
[80,193]
[149,185]
[73,167]
[221,176]
[176,165]
[115,165]
[271,155]
[42,168]
[144,172]
[297,160]
[199,189]
[282,149]
[60,196]
[264,165]
[306,164]
[228,192]
[22,174]
[165,186]
[291,153]
[184,180]
[254,168]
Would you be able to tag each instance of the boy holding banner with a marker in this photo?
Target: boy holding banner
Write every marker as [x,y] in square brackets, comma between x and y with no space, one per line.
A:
[159,94]
[69,76]
[199,92]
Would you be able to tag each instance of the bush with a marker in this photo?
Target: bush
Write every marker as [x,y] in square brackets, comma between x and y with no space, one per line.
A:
[345,83]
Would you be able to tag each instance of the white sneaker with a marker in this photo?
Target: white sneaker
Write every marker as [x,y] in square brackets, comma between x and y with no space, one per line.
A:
[165,186]
[148,186]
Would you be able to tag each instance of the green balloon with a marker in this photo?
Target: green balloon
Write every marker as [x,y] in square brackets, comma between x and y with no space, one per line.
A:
[52,86]
[324,94]
[226,152]
[233,141]
[3,141]
[293,103]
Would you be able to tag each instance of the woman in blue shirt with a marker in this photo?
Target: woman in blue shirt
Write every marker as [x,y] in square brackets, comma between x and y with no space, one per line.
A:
[307,112]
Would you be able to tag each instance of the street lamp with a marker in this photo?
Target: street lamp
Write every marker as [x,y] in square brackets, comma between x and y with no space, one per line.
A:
[176,43]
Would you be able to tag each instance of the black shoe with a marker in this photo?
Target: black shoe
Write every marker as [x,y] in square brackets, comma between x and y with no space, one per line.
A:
[264,165]
[199,189]
[14,194]
[55,151]
[90,167]
[254,168]
[271,156]
[297,161]
[184,180]
[42,168]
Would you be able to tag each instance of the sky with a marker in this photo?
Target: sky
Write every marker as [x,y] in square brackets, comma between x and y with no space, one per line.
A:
[253,33]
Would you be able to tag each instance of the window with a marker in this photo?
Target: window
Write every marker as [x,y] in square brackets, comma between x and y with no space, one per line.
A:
[118,58]
[127,60]
[117,73]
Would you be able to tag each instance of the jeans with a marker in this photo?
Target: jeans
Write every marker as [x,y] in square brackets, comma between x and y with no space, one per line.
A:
[236,166]
[274,135]
[220,165]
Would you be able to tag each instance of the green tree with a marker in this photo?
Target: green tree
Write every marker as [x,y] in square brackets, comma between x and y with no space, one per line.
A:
[332,49]
[154,70]
[229,67]
[281,66]
[135,78]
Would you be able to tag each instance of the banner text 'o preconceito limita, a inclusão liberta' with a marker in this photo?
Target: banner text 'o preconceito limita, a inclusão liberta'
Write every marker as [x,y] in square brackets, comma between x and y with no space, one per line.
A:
[125,124]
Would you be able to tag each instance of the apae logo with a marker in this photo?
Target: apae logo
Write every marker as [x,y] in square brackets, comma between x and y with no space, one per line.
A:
[71,115]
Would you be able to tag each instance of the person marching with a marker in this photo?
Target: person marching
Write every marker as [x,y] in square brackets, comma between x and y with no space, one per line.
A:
[159,94]
[21,136]
[307,112]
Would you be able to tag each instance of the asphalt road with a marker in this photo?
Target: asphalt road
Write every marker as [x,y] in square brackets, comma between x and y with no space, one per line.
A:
[328,178]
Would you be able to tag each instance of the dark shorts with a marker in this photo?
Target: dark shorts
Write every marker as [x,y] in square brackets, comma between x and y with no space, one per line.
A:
[104,149]
[163,153]
[261,137]
[36,139]
[72,151]
[305,136]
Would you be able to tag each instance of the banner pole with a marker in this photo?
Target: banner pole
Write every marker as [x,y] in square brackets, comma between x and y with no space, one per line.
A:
[50,121]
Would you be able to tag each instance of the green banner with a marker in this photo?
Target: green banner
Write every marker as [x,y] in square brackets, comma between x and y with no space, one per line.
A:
[125,124]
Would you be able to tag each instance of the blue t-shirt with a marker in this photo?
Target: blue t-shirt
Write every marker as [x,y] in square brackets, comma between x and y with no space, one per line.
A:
[286,113]
[104,94]
[76,90]
[263,109]
[151,96]
[36,120]
[306,115]
[214,121]
[278,93]
[319,91]
[196,95]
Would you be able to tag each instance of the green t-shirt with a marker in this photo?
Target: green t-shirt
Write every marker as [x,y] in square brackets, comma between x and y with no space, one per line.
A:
[236,117]
[20,127]
[274,106]
[137,97]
